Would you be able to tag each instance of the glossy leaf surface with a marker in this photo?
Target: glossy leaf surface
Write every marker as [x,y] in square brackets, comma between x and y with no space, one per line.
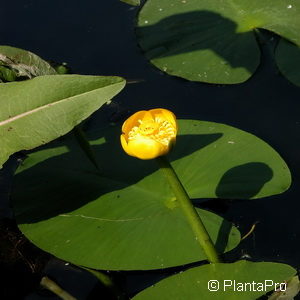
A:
[209,41]
[125,217]
[242,280]
[36,111]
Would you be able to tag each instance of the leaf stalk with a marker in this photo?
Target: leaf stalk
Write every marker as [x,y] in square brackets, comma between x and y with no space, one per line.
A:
[189,210]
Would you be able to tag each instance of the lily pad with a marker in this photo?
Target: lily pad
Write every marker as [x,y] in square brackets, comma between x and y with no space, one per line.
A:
[288,61]
[125,217]
[242,280]
[210,42]
[36,111]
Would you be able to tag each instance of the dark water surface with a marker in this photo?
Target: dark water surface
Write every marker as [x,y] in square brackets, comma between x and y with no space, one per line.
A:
[97,37]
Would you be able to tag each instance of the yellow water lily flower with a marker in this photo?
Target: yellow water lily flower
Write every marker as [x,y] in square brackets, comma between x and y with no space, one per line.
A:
[149,134]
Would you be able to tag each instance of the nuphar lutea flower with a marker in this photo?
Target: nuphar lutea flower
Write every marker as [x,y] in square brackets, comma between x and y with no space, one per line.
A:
[149,134]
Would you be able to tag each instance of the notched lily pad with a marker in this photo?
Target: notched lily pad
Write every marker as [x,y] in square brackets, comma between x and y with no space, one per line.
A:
[210,42]
[125,217]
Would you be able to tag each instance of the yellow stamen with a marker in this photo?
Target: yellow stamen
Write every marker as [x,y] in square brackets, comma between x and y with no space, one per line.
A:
[148,127]
[159,130]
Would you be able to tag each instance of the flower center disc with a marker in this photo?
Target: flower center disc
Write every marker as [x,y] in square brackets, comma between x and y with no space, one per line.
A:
[149,127]
[159,130]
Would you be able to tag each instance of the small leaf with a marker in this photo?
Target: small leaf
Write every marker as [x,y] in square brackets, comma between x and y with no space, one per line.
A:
[24,63]
[242,280]
[6,74]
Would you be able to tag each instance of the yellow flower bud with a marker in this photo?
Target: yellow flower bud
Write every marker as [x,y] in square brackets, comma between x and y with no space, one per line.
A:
[149,134]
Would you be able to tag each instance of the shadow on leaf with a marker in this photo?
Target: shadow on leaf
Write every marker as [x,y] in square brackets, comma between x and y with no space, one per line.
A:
[235,181]
[200,30]
[65,182]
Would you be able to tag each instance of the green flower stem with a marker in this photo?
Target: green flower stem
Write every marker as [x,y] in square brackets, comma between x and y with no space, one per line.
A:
[189,210]
[49,284]
[85,145]
[106,281]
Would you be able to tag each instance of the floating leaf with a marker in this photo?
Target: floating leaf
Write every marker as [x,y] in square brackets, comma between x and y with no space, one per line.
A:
[242,280]
[207,41]
[125,217]
[231,163]
[23,63]
[36,111]
[288,60]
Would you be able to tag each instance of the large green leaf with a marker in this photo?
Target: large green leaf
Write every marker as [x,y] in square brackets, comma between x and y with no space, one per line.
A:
[210,41]
[126,217]
[242,280]
[36,111]
[233,164]
[288,61]
[22,63]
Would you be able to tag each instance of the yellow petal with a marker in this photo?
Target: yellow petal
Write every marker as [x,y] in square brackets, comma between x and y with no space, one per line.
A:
[145,142]
[133,121]
[164,114]
[146,148]
[170,117]
[125,145]
[147,116]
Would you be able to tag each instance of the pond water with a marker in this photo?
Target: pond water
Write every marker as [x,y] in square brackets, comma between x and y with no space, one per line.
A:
[97,37]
